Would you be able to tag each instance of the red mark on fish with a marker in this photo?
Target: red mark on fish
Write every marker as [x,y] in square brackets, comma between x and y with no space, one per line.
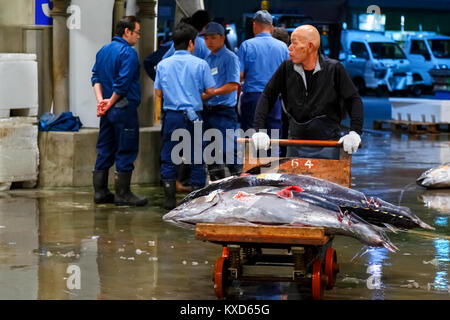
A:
[287,192]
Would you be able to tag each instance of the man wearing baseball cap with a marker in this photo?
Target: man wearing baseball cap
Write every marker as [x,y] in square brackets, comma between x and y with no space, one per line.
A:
[259,57]
[219,110]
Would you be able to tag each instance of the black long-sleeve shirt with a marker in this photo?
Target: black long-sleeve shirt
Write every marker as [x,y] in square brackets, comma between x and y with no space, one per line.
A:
[330,92]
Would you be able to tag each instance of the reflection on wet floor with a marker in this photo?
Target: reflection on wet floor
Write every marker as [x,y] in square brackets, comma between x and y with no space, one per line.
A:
[130,253]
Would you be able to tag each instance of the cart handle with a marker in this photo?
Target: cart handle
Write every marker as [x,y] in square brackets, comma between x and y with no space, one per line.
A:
[310,143]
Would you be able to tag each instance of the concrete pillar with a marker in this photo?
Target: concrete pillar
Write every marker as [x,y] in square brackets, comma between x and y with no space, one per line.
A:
[131,8]
[60,56]
[147,15]
[119,12]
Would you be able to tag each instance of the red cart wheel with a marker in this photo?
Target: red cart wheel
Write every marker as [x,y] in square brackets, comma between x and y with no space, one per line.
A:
[220,277]
[331,268]
[225,253]
[317,288]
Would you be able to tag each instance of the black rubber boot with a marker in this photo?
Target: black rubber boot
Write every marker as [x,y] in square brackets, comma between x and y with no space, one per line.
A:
[216,171]
[170,189]
[101,191]
[124,196]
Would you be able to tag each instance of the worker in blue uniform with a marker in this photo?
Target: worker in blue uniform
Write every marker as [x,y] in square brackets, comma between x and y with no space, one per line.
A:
[259,57]
[198,20]
[115,78]
[219,112]
[181,80]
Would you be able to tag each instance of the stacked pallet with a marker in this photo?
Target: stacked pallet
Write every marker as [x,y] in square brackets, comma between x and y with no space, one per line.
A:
[19,154]
[417,116]
[412,127]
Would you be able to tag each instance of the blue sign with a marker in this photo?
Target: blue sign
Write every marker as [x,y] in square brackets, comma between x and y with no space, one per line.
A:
[42,12]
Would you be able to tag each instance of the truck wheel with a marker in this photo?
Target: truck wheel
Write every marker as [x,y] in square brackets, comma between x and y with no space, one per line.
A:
[381,91]
[416,91]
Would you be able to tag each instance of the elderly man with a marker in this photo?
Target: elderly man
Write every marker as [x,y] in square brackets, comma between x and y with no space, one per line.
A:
[259,57]
[316,92]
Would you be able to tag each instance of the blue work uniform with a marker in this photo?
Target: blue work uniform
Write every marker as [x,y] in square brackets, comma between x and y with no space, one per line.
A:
[259,57]
[201,50]
[182,78]
[117,68]
[220,111]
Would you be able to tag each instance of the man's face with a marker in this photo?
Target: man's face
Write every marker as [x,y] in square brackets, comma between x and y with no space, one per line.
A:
[214,42]
[299,49]
[132,37]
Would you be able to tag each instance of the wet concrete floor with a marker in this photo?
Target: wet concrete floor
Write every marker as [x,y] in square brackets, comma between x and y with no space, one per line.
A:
[56,244]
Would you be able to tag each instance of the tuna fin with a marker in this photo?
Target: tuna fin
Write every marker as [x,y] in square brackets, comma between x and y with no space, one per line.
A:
[391,228]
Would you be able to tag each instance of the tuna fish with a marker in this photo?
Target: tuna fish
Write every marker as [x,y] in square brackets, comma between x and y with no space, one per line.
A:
[375,211]
[276,206]
[437,177]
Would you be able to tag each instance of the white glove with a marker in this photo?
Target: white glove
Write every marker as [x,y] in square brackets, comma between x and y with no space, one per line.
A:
[351,142]
[261,140]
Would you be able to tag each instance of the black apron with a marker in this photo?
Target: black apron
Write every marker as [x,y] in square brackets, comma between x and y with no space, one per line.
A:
[318,128]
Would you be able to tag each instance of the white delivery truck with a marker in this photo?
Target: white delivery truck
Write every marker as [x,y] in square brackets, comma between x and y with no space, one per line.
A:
[377,62]
[427,51]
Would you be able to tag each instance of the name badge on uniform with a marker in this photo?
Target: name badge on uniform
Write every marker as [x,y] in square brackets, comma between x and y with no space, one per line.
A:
[214,71]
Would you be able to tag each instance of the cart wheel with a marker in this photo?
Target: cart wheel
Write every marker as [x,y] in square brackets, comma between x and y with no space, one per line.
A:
[317,287]
[225,252]
[331,268]
[220,277]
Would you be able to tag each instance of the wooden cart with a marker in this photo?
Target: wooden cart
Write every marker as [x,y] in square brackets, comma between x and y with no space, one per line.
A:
[279,253]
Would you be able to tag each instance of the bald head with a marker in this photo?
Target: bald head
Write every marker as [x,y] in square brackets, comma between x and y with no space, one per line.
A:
[308,33]
[304,48]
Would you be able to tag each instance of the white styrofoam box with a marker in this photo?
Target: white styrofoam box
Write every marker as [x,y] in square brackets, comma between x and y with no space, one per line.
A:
[19,153]
[423,110]
[18,83]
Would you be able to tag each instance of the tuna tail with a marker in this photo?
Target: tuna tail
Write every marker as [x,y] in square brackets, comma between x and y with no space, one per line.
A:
[384,240]
[387,243]
[425,225]
[390,246]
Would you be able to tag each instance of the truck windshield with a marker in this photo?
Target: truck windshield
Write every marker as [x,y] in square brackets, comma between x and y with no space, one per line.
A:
[386,50]
[440,48]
